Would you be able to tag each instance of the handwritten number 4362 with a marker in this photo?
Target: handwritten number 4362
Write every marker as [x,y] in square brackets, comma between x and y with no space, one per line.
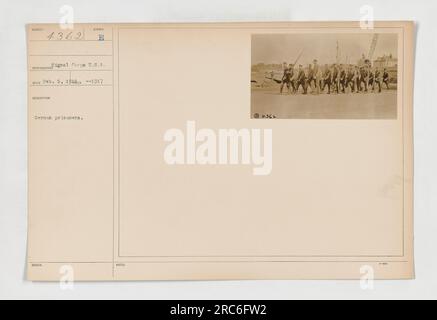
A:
[59,36]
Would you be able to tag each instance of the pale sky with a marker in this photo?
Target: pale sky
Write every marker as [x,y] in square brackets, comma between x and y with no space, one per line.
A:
[278,48]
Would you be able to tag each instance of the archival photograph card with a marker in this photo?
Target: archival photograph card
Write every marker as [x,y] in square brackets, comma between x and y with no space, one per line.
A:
[220,151]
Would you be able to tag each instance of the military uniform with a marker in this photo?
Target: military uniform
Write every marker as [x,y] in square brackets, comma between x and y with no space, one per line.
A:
[342,80]
[385,79]
[335,78]
[302,81]
[378,80]
[317,78]
[363,79]
[327,80]
[350,80]
[357,79]
[286,79]
[311,79]
[371,80]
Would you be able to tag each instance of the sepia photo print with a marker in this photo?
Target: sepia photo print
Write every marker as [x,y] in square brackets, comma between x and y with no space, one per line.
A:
[324,76]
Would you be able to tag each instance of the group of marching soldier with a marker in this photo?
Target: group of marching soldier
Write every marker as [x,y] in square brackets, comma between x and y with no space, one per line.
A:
[336,78]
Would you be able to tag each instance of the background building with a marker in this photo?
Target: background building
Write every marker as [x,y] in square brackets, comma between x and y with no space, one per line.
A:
[386,61]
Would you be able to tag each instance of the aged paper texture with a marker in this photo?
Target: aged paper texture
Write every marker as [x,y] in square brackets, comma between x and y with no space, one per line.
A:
[220,151]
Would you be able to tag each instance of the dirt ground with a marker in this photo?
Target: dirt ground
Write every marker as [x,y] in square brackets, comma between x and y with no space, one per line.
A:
[268,102]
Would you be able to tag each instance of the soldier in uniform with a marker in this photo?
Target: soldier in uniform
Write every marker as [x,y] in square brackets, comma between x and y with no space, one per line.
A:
[286,78]
[292,76]
[342,79]
[294,79]
[350,81]
[363,79]
[377,80]
[370,82]
[316,77]
[320,80]
[327,79]
[386,78]
[357,79]
[335,78]
[301,80]
[311,79]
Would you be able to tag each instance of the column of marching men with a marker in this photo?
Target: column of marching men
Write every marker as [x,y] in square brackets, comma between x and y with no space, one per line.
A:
[334,78]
